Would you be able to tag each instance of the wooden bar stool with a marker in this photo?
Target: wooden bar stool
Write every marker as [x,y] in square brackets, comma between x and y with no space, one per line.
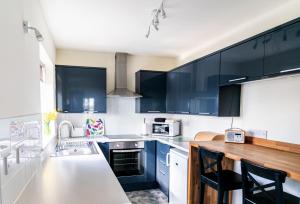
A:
[212,174]
[270,193]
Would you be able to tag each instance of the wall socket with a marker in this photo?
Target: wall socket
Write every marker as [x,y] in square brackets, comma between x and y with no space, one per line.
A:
[257,133]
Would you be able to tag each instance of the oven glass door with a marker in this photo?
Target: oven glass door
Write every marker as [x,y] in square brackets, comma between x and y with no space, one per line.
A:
[127,162]
[162,129]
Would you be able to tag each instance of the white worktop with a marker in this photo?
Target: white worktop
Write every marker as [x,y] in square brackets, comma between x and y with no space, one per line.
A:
[178,142]
[84,179]
[74,180]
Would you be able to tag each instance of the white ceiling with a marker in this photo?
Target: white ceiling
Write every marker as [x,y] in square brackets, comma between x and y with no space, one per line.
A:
[121,25]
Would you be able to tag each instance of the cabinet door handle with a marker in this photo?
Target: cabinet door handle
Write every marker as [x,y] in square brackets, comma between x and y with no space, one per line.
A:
[153,111]
[161,152]
[163,173]
[289,70]
[204,113]
[185,112]
[161,161]
[237,79]
[168,159]
[65,111]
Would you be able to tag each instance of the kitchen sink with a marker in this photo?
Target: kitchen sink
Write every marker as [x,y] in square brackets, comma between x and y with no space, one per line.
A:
[75,148]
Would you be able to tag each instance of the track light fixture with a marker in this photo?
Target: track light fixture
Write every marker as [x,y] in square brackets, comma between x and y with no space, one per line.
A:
[156,15]
[37,33]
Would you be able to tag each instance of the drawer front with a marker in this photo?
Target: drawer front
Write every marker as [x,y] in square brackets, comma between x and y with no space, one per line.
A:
[162,170]
[163,181]
[161,164]
[162,148]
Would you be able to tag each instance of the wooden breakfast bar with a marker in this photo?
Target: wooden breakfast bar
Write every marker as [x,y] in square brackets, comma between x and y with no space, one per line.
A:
[272,154]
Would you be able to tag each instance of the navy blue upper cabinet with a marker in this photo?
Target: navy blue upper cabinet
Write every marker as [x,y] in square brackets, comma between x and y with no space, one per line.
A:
[185,75]
[80,89]
[205,86]
[243,62]
[179,84]
[152,86]
[172,90]
[282,50]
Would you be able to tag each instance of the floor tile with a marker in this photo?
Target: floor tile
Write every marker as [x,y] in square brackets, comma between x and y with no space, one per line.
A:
[153,196]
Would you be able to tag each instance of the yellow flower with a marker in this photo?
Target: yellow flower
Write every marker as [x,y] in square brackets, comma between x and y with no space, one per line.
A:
[51,116]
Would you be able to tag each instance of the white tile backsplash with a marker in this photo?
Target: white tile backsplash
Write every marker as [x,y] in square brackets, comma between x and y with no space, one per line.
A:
[19,128]
[119,119]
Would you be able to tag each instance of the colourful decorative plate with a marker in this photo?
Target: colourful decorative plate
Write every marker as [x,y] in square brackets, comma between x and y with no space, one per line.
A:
[94,127]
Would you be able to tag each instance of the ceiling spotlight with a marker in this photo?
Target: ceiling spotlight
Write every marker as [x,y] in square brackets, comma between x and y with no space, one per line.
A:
[156,15]
[37,33]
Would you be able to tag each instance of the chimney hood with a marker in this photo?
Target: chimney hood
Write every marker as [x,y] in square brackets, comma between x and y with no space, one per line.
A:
[121,78]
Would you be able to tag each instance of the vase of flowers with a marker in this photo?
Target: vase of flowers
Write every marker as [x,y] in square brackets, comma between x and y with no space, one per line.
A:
[48,119]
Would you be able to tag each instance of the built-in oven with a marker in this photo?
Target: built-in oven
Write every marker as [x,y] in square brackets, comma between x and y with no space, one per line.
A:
[127,158]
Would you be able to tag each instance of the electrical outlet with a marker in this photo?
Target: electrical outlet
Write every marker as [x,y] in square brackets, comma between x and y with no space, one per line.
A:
[257,133]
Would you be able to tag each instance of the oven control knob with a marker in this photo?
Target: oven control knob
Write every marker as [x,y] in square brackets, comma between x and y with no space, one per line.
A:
[118,145]
[135,144]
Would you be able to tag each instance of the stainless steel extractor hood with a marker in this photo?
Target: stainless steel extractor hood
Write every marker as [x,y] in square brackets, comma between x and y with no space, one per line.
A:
[121,78]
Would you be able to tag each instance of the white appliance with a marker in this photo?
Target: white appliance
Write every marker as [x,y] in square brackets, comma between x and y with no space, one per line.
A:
[169,128]
[178,177]
[235,135]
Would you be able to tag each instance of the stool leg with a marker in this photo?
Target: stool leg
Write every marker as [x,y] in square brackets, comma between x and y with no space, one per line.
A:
[202,193]
[220,196]
[226,197]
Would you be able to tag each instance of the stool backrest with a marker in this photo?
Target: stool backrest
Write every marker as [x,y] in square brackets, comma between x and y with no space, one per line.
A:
[252,186]
[210,161]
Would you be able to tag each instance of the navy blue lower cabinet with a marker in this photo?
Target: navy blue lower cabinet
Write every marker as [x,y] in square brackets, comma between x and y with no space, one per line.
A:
[105,150]
[162,168]
[147,179]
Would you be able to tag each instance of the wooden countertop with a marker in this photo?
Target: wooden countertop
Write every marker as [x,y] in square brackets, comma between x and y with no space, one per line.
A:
[268,157]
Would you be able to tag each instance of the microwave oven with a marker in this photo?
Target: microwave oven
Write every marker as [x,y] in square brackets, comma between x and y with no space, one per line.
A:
[169,129]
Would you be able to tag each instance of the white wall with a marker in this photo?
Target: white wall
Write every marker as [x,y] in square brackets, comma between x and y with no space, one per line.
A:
[19,58]
[107,60]
[19,64]
[119,119]
[139,62]
[20,80]
[265,104]
[93,59]
[271,104]
[259,24]
[34,14]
